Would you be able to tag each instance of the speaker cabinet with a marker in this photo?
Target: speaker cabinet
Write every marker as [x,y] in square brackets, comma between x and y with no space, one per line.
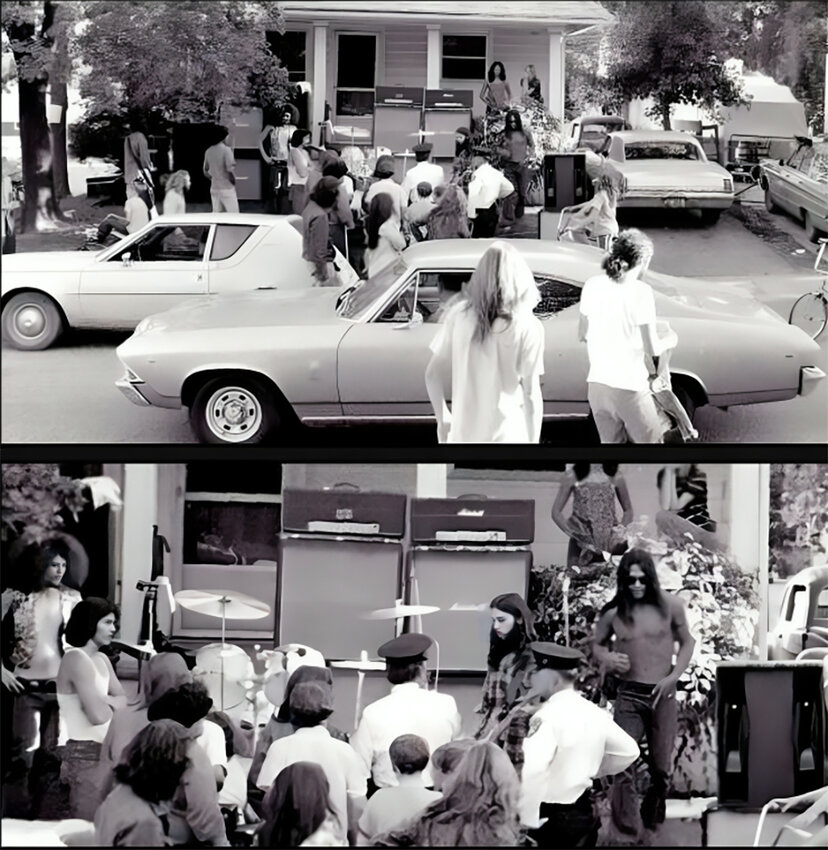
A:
[326,587]
[565,180]
[771,730]
[462,582]
[248,175]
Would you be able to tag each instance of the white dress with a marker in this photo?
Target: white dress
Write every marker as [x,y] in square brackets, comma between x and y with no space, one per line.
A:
[488,378]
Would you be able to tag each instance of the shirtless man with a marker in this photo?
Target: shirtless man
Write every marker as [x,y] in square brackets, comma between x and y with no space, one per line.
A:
[29,670]
[635,638]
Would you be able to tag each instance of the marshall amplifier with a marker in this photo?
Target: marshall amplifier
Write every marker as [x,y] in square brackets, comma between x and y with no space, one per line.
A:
[399,96]
[482,521]
[344,512]
[453,99]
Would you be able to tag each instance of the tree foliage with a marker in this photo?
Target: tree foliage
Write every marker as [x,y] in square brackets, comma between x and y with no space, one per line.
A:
[671,52]
[184,59]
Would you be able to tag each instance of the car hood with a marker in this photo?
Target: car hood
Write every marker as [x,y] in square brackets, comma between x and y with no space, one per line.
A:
[64,261]
[248,310]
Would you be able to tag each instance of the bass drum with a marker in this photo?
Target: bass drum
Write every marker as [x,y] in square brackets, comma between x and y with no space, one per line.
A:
[237,673]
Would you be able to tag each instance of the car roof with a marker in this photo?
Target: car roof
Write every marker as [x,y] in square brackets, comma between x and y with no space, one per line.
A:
[653,136]
[230,218]
[602,119]
[465,253]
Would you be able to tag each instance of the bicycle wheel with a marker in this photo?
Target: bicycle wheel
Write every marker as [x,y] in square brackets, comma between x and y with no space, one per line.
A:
[810,313]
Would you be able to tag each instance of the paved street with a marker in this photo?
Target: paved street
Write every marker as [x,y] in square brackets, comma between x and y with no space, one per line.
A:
[66,394]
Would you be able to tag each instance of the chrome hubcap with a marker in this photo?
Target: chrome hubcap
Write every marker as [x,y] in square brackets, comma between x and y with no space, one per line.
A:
[233,414]
[29,321]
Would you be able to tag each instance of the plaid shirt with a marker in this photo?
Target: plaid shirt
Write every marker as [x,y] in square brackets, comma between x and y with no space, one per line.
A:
[503,687]
[511,738]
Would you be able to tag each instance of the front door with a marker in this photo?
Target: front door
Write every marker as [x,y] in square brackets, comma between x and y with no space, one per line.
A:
[166,265]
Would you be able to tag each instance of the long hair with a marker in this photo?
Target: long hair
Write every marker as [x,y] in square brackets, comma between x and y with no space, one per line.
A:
[581,470]
[295,805]
[38,558]
[629,250]
[187,704]
[305,673]
[479,804]
[521,635]
[518,128]
[380,210]
[177,180]
[501,285]
[501,74]
[451,212]
[623,601]
[153,762]
[162,673]
[297,137]
[84,619]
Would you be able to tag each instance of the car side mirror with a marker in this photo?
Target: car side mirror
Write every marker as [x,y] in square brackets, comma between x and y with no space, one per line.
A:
[126,260]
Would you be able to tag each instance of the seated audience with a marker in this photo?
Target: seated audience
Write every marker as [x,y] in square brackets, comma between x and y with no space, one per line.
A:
[390,807]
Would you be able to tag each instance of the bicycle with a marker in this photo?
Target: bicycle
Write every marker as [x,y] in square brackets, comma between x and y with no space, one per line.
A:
[810,311]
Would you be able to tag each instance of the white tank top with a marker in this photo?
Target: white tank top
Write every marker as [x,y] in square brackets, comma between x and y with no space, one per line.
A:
[74,724]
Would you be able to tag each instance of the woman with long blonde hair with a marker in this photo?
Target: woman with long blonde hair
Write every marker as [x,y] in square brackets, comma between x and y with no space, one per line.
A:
[479,807]
[177,183]
[450,219]
[490,349]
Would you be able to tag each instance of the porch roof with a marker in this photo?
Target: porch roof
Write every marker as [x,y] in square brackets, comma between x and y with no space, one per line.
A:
[560,14]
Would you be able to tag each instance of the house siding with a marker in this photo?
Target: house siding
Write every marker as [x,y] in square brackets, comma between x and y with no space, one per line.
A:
[405,57]
[516,49]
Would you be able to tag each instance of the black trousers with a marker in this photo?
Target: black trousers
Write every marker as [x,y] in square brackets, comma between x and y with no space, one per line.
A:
[485,224]
[568,824]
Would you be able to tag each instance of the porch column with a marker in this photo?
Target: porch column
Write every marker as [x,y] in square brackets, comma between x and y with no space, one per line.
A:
[557,80]
[320,78]
[140,513]
[431,479]
[433,57]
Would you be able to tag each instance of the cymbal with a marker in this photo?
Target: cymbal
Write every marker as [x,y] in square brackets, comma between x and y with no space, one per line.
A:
[423,133]
[361,665]
[400,611]
[402,153]
[459,606]
[222,603]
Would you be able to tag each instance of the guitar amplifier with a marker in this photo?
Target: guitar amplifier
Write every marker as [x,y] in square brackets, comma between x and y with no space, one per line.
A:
[344,512]
[470,521]
[399,96]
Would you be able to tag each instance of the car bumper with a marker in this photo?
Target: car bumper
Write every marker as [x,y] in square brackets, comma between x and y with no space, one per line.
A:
[809,377]
[677,201]
[143,395]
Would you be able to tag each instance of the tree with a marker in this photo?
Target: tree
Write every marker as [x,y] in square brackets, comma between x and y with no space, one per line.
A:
[670,52]
[31,28]
[182,60]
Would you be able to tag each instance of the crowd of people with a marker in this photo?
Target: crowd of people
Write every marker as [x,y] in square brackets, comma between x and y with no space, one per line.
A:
[167,768]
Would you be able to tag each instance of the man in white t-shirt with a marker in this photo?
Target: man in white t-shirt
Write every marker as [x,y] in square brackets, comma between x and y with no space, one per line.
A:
[618,321]
[424,171]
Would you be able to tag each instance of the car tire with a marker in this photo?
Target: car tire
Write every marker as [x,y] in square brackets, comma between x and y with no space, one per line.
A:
[710,217]
[234,410]
[770,206]
[812,232]
[31,321]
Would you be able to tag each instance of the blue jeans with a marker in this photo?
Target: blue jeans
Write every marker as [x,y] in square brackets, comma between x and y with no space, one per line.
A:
[635,713]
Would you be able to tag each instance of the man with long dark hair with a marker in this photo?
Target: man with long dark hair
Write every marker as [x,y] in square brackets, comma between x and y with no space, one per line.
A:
[635,638]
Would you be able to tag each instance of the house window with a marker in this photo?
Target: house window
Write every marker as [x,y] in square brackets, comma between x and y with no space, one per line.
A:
[464,57]
[232,514]
[356,65]
[291,48]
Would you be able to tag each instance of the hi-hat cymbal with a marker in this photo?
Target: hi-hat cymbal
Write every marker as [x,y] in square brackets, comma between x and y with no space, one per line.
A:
[226,603]
[400,611]
[362,665]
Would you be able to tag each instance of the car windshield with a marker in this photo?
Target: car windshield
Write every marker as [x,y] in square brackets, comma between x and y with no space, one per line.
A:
[358,302]
[661,150]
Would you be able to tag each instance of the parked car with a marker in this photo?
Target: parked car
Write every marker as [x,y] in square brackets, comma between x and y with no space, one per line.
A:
[664,169]
[591,131]
[170,260]
[799,184]
[247,365]
[803,615]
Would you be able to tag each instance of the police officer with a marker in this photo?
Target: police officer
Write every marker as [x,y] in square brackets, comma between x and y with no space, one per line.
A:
[570,742]
[410,709]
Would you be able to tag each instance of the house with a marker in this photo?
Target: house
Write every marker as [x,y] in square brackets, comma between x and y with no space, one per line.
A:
[346,49]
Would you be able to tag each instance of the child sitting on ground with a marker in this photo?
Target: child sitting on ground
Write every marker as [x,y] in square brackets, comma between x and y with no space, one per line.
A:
[388,808]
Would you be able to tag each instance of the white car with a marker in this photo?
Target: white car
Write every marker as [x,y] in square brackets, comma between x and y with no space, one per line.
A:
[663,169]
[170,260]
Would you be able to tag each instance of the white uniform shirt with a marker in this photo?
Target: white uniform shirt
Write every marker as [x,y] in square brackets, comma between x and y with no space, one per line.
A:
[336,758]
[407,710]
[571,741]
[616,312]
[422,172]
[488,378]
[487,186]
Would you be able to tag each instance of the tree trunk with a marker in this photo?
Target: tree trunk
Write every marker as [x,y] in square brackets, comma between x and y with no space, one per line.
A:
[60,168]
[40,205]
[665,117]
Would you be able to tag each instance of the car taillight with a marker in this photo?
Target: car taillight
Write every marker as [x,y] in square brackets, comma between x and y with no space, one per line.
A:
[728,184]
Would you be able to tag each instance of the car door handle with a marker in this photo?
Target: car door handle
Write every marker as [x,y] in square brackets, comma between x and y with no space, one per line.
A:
[199,278]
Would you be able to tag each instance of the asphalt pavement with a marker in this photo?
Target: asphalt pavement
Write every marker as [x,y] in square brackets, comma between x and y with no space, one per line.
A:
[66,394]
